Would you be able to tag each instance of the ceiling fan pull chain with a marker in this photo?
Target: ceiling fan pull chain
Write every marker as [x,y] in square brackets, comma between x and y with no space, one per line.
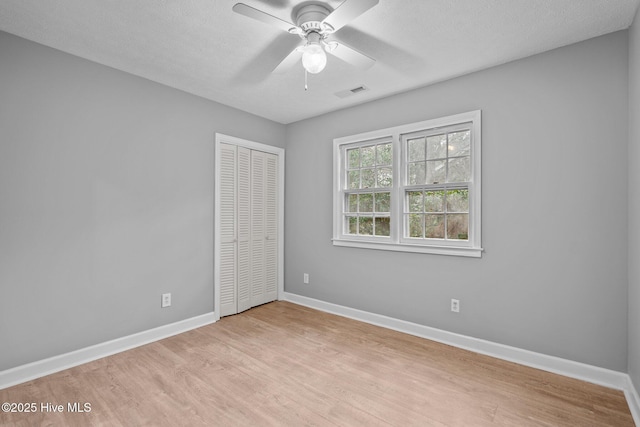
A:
[305,80]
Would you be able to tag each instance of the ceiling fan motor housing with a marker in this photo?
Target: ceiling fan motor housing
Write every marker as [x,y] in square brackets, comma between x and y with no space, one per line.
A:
[310,18]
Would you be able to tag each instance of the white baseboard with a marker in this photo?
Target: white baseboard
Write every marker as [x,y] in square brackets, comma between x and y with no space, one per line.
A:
[633,399]
[593,374]
[30,371]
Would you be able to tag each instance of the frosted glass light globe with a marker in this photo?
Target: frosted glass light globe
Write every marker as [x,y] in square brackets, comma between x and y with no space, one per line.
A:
[314,59]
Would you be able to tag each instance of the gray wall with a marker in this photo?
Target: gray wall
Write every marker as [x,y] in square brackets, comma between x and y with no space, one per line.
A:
[553,278]
[106,201]
[634,202]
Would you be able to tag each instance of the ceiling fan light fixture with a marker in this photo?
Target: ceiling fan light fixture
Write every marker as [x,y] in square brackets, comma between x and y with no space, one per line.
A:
[313,58]
[313,24]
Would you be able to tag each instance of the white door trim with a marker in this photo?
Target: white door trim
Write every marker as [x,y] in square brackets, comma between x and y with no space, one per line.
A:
[226,139]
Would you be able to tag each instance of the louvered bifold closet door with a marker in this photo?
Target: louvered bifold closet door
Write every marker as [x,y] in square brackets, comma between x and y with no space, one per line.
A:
[271,227]
[228,240]
[244,229]
[264,227]
[258,234]
[249,192]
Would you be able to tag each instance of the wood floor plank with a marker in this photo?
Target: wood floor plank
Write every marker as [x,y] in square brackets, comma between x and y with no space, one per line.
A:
[286,365]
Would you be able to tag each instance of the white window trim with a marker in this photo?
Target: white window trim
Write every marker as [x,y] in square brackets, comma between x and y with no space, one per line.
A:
[396,242]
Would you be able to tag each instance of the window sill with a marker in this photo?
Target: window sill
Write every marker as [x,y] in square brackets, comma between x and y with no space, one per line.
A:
[421,249]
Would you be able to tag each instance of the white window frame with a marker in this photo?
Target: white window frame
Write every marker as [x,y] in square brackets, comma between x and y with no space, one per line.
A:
[396,241]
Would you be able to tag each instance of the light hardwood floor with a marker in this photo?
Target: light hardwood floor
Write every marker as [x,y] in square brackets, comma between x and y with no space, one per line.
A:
[283,364]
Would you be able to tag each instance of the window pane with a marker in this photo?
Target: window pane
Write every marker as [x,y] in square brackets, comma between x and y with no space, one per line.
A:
[458,201]
[385,155]
[459,143]
[354,179]
[416,225]
[366,226]
[459,169]
[368,178]
[368,156]
[437,147]
[383,202]
[436,171]
[415,201]
[458,227]
[416,173]
[382,226]
[434,201]
[416,149]
[366,203]
[353,203]
[434,226]
[354,158]
[353,224]
[385,177]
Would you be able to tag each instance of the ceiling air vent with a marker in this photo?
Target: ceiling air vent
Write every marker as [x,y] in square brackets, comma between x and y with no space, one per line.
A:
[350,92]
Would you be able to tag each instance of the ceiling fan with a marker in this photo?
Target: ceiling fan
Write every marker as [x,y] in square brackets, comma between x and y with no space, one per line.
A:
[315,23]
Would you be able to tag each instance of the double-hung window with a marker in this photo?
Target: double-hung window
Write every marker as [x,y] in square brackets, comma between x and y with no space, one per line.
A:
[413,188]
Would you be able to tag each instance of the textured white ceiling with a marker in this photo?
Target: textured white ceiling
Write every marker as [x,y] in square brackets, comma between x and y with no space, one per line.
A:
[202,47]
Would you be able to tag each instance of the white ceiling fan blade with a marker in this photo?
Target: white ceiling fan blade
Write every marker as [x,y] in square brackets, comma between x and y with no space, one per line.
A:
[259,15]
[294,57]
[348,11]
[352,56]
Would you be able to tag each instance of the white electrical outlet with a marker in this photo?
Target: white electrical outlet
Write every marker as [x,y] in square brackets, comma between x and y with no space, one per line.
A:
[455,305]
[305,278]
[166,300]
